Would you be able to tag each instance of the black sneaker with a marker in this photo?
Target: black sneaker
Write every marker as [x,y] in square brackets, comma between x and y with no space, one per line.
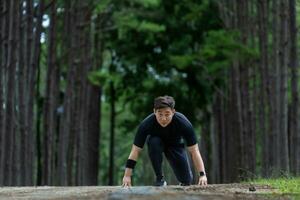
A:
[160,182]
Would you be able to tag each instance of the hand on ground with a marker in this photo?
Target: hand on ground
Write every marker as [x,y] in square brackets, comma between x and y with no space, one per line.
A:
[126,181]
[202,180]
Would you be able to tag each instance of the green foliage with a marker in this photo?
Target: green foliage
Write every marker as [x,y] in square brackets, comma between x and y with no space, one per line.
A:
[128,21]
[221,48]
[101,6]
[159,47]
[148,3]
[108,73]
[224,44]
[130,18]
[285,185]
[150,26]
[158,51]
[98,77]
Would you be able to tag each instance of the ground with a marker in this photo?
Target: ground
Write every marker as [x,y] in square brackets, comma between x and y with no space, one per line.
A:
[218,191]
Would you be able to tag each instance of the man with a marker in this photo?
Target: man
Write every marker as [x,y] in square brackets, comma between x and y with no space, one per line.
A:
[165,131]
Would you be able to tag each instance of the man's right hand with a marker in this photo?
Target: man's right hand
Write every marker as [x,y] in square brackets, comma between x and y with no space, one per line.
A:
[126,181]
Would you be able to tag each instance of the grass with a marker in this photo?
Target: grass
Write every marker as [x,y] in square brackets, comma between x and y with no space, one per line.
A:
[284,185]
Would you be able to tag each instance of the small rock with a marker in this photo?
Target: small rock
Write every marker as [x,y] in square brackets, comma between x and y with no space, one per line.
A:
[252,189]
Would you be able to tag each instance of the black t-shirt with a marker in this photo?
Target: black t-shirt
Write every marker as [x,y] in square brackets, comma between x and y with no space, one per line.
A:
[179,130]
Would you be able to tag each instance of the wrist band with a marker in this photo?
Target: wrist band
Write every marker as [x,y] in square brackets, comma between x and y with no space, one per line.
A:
[130,163]
[202,174]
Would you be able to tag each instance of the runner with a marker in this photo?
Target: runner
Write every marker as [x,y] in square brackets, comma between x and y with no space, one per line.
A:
[165,131]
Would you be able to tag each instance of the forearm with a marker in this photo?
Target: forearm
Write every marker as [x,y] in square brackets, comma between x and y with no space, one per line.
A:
[197,160]
[134,154]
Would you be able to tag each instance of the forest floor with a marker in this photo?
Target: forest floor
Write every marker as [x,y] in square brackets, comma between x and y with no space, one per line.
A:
[217,191]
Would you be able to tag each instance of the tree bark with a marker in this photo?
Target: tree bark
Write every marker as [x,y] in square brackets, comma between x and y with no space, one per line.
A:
[3,78]
[294,142]
[266,131]
[24,129]
[94,112]
[50,103]
[9,121]
[65,122]
[21,95]
[283,157]
[112,134]
[34,63]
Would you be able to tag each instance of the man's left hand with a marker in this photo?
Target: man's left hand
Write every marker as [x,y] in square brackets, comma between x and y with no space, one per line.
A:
[202,180]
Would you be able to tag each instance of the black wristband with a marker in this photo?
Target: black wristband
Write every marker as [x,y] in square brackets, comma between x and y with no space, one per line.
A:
[130,163]
[202,174]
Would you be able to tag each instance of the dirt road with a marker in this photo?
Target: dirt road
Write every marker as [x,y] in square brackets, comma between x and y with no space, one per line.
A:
[218,192]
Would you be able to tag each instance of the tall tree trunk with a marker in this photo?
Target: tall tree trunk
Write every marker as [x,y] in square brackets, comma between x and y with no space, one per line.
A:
[9,121]
[75,106]
[222,143]
[94,112]
[294,143]
[216,128]
[274,92]
[21,95]
[247,140]
[50,103]
[92,135]
[266,131]
[83,95]
[34,63]
[66,119]
[24,129]
[3,75]
[19,76]
[238,123]
[283,157]
[206,142]
[250,94]
[112,134]
[39,113]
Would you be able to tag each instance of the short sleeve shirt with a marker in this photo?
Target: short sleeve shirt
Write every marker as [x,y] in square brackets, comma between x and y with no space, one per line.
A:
[179,130]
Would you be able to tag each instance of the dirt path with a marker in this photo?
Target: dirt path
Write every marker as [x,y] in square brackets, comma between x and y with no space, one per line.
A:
[220,191]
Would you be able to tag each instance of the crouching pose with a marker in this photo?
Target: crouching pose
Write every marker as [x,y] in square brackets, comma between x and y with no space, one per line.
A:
[165,131]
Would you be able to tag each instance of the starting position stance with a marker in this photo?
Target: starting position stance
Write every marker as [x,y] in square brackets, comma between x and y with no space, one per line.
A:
[165,131]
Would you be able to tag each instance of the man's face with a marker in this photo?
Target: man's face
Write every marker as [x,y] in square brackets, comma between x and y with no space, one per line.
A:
[164,116]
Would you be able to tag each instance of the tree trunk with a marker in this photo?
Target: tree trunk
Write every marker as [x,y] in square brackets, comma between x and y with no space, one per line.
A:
[66,119]
[22,80]
[294,142]
[19,76]
[24,108]
[39,113]
[266,131]
[9,121]
[50,103]
[94,113]
[283,157]
[73,150]
[112,134]
[34,63]
[216,128]
[3,78]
